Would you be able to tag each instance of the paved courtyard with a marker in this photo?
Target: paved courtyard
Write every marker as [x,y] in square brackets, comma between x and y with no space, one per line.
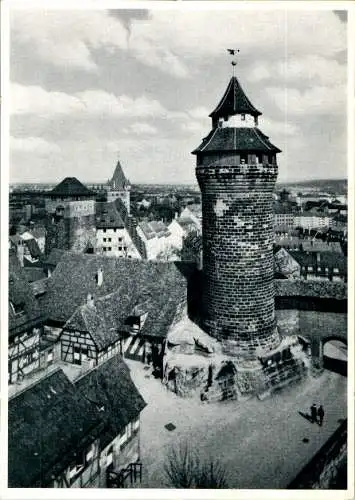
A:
[260,443]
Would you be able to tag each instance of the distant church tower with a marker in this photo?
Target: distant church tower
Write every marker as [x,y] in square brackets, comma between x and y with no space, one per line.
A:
[237,170]
[119,187]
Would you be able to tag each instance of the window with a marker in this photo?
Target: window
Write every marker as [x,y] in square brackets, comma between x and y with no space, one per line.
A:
[109,456]
[17,308]
[120,238]
[124,248]
[243,116]
[109,239]
[104,230]
[90,453]
[119,248]
[104,249]
[336,270]
[50,356]
[109,249]
[310,268]
[104,239]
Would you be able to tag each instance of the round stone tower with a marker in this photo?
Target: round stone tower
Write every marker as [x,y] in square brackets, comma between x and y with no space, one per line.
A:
[236,170]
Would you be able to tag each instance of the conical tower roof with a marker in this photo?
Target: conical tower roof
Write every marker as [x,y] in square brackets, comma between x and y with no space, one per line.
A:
[234,101]
[118,180]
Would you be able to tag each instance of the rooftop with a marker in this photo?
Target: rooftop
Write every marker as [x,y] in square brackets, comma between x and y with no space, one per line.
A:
[107,216]
[118,180]
[47,424]
[134,281]
[236,139]
[70,186]
[234,101]
[110,389]
[24,311]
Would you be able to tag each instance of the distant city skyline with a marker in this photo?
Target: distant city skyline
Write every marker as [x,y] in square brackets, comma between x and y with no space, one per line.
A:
[91,86]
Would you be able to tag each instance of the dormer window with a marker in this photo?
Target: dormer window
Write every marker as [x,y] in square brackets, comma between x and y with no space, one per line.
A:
[18,308]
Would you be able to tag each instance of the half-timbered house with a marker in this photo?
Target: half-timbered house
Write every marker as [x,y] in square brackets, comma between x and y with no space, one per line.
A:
[110,388]
[53,436]
[79,432]
[103,305]
[25,325]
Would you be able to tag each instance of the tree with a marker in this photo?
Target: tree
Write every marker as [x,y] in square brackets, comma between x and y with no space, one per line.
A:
[184,468]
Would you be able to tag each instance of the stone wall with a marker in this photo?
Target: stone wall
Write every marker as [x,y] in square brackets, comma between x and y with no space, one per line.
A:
[311,288]
[323,470]
[237,224]
[311,323]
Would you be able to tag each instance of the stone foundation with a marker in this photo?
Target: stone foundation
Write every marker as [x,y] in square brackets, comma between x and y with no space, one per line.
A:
[217,376]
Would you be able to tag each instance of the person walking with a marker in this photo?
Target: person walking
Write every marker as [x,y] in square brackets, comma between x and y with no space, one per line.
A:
[320,415]
[313,413]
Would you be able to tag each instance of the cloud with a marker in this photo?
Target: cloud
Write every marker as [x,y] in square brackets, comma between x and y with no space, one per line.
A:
[35,145]
[142,129]
[318,100]
[308,70]
[173,40]
[36,100]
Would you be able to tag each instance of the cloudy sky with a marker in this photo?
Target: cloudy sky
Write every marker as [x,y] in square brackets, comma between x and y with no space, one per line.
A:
[88,86]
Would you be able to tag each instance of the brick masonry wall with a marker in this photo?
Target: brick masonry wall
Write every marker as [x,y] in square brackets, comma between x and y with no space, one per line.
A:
[237,224]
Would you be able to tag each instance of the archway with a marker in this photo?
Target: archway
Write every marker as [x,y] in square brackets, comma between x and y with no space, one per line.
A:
[335,354]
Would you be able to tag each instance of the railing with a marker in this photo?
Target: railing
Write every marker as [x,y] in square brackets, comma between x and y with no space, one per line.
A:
[132,473]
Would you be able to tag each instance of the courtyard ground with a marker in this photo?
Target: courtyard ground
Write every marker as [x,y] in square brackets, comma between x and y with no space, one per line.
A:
[260,443]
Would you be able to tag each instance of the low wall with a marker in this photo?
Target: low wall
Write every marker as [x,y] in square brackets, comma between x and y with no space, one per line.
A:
[311,288]
[326,468]
[311,324]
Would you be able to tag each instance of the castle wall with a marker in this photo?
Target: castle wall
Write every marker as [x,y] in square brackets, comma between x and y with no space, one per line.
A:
[237,234]
[74,208]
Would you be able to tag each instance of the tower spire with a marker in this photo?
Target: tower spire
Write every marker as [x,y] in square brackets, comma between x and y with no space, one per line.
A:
[233,52]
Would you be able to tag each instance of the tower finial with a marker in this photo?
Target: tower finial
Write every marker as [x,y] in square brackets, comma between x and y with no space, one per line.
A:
[233,52]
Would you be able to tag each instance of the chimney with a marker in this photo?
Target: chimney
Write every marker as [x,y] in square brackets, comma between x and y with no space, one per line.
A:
[99,277]
[90,300]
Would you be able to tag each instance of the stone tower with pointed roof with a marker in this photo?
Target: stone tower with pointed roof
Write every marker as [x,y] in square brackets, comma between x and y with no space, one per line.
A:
[119,187]
[71,207]
[236,170]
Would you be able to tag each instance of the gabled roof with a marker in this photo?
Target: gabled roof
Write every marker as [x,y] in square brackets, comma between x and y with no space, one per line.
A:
[110,388]
[234,101]
[118,180]
[107,216]
[236,139]
[22,297]
[48,422]
[75,277]
[55,256]
[70,186]
[102,319]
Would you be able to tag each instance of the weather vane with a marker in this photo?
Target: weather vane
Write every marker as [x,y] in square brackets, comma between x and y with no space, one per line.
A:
[233,52]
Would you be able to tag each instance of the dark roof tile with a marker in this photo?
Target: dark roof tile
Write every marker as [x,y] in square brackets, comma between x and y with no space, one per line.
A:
[110,388]
[236,139]
[47,423]
[70,186]
[234,101]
